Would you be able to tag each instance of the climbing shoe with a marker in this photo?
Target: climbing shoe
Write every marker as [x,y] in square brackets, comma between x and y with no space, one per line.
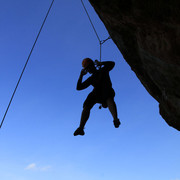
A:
[116,123]
[79,131]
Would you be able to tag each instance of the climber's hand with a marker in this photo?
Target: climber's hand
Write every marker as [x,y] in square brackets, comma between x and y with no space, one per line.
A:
[83,72]
[97,63]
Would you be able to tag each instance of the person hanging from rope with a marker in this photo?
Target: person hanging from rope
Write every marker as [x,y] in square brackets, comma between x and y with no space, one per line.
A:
[102,93]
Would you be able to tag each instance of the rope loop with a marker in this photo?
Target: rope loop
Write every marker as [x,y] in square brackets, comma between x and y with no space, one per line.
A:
[103,41]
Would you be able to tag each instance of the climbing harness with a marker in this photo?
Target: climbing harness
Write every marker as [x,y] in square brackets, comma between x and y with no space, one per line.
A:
[26,63]
[101,42]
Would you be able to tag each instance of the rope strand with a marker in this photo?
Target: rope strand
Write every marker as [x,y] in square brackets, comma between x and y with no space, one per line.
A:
[26,63]
[101,42]
[90,21]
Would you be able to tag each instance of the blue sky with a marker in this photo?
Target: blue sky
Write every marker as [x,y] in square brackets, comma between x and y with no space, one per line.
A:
[36,140]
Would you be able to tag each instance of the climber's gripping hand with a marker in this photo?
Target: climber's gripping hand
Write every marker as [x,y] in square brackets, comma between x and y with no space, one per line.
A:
[97,63]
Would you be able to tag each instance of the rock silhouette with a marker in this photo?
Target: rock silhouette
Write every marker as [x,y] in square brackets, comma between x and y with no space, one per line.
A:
[148,35]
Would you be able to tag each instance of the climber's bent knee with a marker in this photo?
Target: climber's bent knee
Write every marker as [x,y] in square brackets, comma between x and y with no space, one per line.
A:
[87,108]
[90,101]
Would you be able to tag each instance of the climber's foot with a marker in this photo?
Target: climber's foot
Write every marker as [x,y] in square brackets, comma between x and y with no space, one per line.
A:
[116,123]
[79,131]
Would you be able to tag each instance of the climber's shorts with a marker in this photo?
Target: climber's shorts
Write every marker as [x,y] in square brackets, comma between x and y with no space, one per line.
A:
[96,97]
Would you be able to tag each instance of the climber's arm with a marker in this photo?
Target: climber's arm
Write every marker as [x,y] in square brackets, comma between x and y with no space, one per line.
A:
[83,85]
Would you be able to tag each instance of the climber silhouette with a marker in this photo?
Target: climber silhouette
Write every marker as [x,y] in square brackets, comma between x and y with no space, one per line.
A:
[102,93]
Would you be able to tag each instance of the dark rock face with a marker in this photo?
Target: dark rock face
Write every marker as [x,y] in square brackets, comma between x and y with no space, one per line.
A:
[148,35]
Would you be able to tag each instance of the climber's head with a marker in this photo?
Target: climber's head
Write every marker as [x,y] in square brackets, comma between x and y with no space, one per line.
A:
[88,64]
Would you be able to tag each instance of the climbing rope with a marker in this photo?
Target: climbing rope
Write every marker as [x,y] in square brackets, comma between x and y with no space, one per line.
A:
[101,42]
[26,64]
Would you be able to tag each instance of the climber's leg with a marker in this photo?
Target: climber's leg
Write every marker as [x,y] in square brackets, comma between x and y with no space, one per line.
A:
[87,106]
[113,109]
[84,116]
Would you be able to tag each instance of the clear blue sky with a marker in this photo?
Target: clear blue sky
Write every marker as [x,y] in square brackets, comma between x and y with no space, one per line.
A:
[36,140]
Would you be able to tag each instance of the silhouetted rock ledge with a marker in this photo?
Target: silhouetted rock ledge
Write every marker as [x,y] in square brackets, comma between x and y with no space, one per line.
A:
[147,32]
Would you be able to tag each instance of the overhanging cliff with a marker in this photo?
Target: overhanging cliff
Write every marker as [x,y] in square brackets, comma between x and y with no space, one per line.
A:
[148,35]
